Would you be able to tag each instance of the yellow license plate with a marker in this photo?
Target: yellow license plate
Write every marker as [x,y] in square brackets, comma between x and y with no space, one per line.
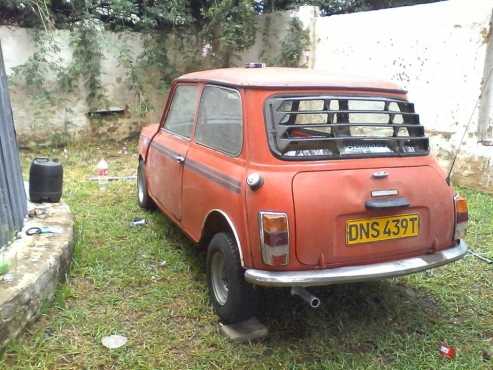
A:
[368,230]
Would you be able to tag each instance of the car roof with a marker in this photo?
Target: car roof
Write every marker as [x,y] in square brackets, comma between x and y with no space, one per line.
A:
[271,77]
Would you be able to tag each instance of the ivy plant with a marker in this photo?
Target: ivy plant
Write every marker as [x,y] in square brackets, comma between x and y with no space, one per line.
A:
[293,44]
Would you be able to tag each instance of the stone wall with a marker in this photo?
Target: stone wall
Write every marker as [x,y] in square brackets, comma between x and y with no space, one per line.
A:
[442,53]
[44,119]
[41,121]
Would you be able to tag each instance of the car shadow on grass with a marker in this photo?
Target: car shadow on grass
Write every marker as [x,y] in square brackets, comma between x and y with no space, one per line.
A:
[355,316]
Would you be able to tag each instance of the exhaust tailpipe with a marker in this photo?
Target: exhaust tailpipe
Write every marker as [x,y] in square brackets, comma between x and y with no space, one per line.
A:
[304,294]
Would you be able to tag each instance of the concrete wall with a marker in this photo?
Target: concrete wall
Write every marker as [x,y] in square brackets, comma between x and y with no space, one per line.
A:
[438,52]
[442,53]
[42,121]
[39,121]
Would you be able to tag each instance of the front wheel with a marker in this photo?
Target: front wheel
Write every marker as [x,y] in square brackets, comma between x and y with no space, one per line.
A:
[143,198]
[233,299]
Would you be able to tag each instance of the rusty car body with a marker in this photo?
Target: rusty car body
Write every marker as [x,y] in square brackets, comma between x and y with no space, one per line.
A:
[294,178]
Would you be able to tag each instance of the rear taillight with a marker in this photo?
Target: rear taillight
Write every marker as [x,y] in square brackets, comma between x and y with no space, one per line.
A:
[274,238]
[461,217]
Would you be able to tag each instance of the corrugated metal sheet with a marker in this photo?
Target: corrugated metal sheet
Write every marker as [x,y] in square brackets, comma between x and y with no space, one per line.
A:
[13,203]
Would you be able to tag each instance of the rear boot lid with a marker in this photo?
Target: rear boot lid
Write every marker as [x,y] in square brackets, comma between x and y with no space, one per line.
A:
[350,217]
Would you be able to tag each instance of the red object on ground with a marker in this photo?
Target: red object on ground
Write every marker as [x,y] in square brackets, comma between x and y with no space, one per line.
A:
[102,168]
[447,351]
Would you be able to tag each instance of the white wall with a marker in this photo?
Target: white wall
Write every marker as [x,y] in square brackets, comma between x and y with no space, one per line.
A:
[435,51]
[439,52]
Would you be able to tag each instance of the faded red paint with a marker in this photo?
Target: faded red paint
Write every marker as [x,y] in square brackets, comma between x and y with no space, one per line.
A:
[318,196]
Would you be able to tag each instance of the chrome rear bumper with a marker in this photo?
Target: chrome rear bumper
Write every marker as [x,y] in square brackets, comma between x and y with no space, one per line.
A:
[351,274]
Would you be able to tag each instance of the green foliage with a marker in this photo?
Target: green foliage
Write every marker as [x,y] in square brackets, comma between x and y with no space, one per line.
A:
[44,61]
[201,33]
[33,76]
[155,56]
[160,14]
[265,54]
[4,268]
[293,44]
[29,13]
[227,25]
[86,63]
[231,27]
[232,23]
[135,67]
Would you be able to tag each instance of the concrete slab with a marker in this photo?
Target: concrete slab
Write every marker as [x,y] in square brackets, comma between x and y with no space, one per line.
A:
[36,263]
[245,331]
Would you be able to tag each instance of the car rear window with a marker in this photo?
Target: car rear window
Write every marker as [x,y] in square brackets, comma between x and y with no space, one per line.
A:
[320,126]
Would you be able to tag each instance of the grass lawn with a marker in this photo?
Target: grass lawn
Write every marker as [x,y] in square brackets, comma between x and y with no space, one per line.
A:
[119,284]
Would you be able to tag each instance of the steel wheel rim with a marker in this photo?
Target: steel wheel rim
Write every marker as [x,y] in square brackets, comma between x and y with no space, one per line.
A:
[218,279]
[140,190]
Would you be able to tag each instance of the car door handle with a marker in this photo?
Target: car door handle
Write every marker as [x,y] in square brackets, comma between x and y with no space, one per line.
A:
[180,159]
[387,203]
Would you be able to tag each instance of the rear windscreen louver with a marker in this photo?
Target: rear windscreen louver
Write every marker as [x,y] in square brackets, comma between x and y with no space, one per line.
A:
[318,127]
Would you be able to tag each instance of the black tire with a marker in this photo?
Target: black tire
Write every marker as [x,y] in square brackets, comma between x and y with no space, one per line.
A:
[239,303]
[143,198]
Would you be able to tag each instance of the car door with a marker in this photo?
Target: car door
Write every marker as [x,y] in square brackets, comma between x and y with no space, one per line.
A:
[215,167]
[169,150]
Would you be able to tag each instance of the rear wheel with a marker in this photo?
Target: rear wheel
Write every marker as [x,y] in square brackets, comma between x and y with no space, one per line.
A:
[143,198]
[232,297]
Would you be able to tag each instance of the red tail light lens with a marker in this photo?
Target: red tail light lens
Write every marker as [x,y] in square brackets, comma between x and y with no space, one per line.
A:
[274,238]
[461,217]
[461,212]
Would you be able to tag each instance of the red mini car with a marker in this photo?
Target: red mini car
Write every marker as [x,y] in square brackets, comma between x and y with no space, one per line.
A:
[293,178]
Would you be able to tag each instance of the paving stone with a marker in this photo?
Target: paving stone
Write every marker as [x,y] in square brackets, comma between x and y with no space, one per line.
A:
[36,263]
[245,331]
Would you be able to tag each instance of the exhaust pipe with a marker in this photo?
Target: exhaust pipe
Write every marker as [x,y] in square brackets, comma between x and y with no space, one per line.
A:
[304,294]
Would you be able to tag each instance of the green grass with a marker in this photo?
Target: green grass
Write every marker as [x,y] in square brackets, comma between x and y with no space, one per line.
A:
[118,286]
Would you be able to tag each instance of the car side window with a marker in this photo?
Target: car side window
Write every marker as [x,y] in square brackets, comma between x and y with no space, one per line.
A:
[181,113]
[219,124]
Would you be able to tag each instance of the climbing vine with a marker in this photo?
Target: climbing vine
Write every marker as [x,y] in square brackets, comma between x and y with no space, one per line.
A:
[230,28]
[150,69]
[44,61]
[135,80]
[47,64]
[155,57]
[266,51]
[293,44]
[32,77]
[85,66]
[173,38]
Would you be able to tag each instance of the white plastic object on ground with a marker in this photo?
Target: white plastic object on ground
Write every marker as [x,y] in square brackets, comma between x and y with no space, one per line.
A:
[114,341]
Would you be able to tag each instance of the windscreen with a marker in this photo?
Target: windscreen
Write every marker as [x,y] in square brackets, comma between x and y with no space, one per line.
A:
[319,126]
